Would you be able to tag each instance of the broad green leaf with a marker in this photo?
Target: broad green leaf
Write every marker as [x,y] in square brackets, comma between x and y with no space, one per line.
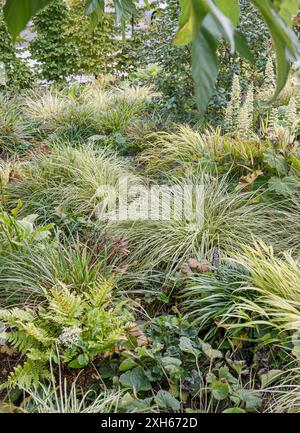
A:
[287,9]
[185,11]
[136,379]
[231,9]
[93,5]
[124,9]
[126,400]
[200,9]
[95,8]
[80,362]
[190,20]
[295,162]
[165,400]
[171,365]
[204,67]
[142,351]
[225,24]
[18,13]
[242,47]
[185,34]
[224,373]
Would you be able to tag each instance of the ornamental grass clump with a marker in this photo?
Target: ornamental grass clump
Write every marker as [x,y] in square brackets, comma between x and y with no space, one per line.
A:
[70,182]
[186,151]
[226,219]
[14,132]
[27,275]
[275,286]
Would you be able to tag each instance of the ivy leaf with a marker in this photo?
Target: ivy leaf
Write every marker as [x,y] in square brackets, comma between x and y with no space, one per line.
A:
[286,186]
[269,377]
[276,162]
[209,351]
[81,361]
[251,398]
[165,400]
[135,379]
[220,389]
[234,410]
[186,345]
[18,13]
[127,364]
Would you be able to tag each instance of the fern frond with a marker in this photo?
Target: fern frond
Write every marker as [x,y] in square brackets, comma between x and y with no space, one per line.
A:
[65,304]
[36,333]
[26,375]
[14,315]
[19,340]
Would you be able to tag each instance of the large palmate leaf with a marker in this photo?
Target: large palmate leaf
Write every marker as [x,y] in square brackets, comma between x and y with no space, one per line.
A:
[194,29]
[204,67]
[17,13]
[95,8]
[284,41]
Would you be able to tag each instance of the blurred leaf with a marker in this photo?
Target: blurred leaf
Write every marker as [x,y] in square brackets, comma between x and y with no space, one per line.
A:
[288,9]
[284,41]
[242,46]
[18,13]
[204,67]
[231,9]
